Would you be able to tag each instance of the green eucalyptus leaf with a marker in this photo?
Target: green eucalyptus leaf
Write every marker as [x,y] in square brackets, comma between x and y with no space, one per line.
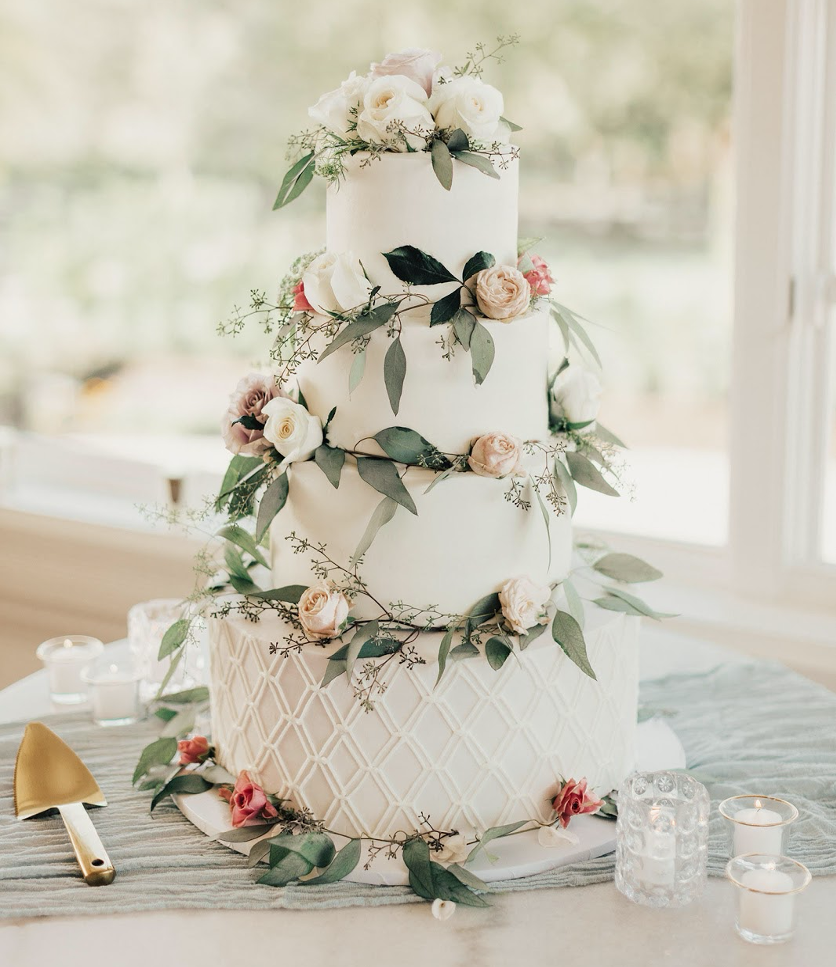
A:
[446,308]
[482,352]
[383,513]
[494,832]
[258,852]
[545,514]
[464,875]
[525,244]
[448,886]
[587,474]
[191,783]
[412,265]
[289,866]
[272,501]
[568,342]
[330,461]
[609,437]
[343,863]
[394,373]
[484,164]
[290,593]
[626,568]
[334,669]
[200,693]
[365,635]
[443,652]
[239,468]
[458,140]
[438,478]
[235,563]
[166,714]
[464,322]
[531,635]
[296,180]
[383,476]
[181,724]
[513,128]
[245,586]
[484,609]
[573,321]
[243,539]
[497,651]
[158,753]
[573,602]
[442,163]
[406,446]
[317,848]
[463,651]
[566,482]
[568,634]
[358,368]
[416,857]
[363,325]
[634,604]
[477,263]
[173,638]
[245,834]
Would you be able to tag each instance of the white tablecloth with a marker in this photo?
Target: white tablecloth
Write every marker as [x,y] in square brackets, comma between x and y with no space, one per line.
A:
[594,924]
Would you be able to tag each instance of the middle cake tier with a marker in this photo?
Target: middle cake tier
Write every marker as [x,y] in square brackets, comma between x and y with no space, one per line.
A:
[440,399]
[466,540]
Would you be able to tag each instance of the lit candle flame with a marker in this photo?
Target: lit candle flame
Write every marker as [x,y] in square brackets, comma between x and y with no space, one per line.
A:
[758,804]
[67,643]
[114,669]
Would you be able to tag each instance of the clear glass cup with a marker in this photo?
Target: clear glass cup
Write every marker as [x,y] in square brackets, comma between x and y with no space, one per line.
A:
[758,824]
[113,691]
[766,890]
[147,623]
[662,838]
[65,658]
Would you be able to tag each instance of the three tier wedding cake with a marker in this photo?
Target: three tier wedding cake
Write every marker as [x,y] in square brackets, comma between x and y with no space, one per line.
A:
[398,644]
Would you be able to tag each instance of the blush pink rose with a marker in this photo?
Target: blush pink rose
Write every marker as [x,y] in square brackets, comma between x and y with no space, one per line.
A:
[539,278]
[573,799]
[251,395]
[192,750]
[416,63]
[248,801]
[300,302]
[496,455]
[322,611]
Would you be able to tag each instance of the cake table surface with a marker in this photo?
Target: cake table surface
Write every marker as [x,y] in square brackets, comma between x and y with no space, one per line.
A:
[595,923]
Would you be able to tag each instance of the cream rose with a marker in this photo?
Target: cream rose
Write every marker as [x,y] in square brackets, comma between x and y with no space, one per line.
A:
[472,105]
[496,455]
[454,849]
[416,63]
[524,603]
[576,395]
[336,109]
[323,611]
[502,292]
[335,283]
[395,99]
[292,430]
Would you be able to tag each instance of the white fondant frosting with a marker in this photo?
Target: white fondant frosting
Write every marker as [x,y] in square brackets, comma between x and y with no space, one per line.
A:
[440,399]
[396,199]
[465,541]
[480,749]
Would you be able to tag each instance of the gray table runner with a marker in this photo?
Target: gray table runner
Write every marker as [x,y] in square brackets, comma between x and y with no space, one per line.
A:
[746,729]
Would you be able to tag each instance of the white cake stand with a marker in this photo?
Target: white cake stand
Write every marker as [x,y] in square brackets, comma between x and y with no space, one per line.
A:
[657,747]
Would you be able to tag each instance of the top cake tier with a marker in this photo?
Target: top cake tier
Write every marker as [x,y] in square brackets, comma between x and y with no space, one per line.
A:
[396,199]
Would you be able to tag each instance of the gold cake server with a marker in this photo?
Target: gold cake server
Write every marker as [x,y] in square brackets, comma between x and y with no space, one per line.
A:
[49,775]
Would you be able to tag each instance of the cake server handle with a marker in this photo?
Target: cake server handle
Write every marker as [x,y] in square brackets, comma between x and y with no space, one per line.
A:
[95,864]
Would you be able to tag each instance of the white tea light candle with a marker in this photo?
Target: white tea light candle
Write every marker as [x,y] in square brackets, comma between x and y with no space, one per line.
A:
[65,658]
[656,865]
[758,824]
[114,692]
[766,891]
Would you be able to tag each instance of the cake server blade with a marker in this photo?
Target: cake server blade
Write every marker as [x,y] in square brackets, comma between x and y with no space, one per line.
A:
[49,775]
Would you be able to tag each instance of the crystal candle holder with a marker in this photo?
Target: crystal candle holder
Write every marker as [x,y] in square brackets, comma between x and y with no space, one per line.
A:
[662,838]
[65,658]
[766,890]
[147,623]
[758,824]
[113,691]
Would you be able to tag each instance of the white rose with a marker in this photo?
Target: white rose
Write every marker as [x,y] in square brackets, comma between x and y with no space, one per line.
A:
[497,455]
[443,909]
[322,611]
[417,63]
[454,849]
[391,99]
[335,283]
[524,603]
[334,109]
[292,430]
[576,395]
[472,105]
[502,293]
[551,837]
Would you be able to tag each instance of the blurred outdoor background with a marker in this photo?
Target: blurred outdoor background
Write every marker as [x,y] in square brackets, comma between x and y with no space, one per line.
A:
[142,143]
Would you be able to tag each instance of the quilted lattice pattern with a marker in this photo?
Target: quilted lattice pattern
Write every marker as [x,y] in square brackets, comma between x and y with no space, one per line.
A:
[481,749]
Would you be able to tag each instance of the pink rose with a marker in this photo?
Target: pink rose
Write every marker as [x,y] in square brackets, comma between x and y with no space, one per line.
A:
[251,395]
[572,799]
[496,455]
[195,749]
[248,801]
[322,611]
[539,278]
[300,302]
[416,63]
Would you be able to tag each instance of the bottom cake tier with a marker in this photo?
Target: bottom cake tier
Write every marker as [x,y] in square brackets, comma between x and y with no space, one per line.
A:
[479,749]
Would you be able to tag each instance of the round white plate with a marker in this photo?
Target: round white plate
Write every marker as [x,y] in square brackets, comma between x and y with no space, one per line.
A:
[657,747]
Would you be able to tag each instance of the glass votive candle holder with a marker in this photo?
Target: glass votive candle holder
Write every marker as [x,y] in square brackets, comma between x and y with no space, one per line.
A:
[148,621]
[662,838]
[758,824]
[65,658]
[113,691]
[766,890]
